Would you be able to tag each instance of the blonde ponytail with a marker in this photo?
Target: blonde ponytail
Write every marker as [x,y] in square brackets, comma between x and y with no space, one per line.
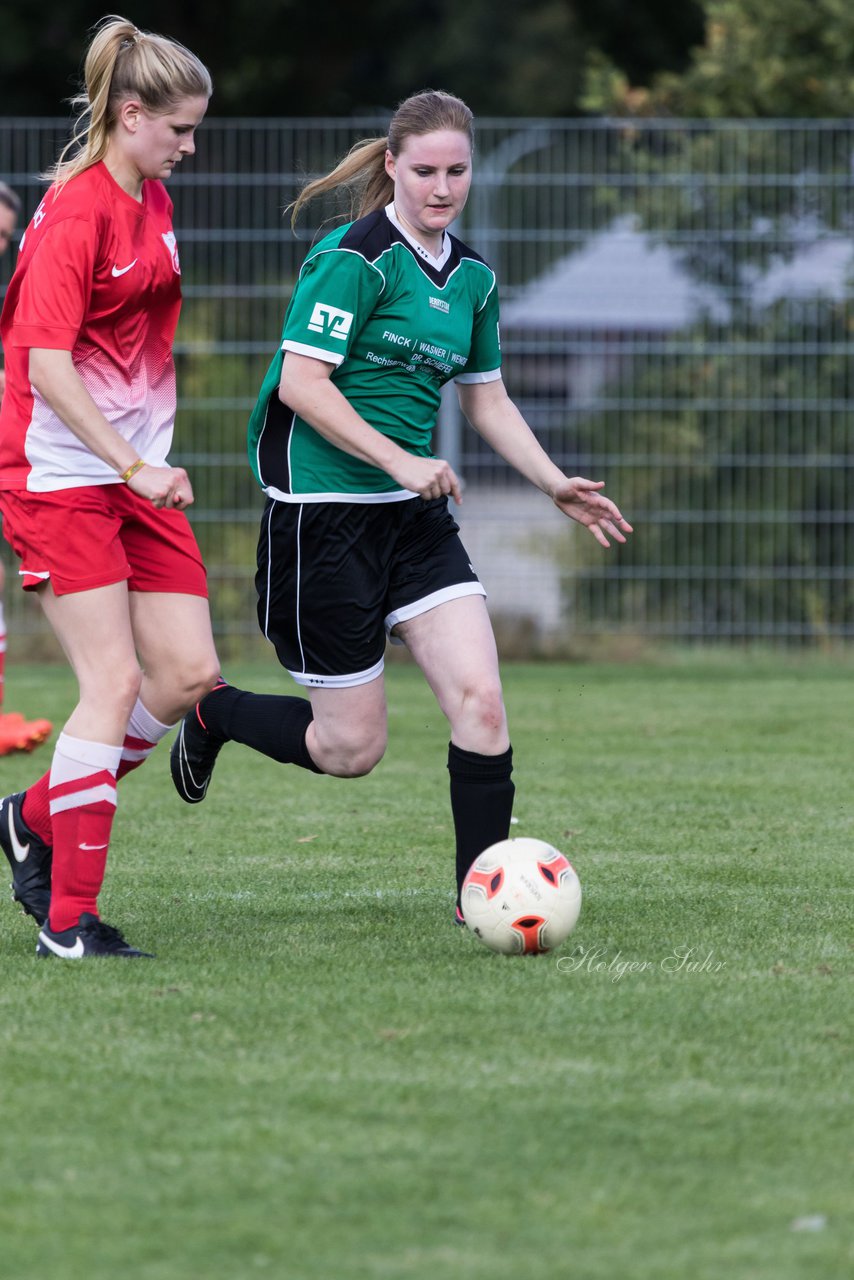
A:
[123,62]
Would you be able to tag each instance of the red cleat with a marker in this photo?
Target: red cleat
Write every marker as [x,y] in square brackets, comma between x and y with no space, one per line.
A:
[18,734]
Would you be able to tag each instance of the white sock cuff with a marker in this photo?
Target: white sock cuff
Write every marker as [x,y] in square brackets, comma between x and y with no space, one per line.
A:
[142,724]
[76,757]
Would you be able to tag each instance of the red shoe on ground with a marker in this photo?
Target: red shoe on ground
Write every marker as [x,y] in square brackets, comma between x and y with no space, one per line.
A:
[18,734]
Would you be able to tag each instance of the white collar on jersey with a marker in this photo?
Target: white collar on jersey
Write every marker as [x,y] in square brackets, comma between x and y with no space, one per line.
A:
[436,262]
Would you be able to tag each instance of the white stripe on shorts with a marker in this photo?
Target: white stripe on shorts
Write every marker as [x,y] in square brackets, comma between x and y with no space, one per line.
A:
[426,603]
[338,682]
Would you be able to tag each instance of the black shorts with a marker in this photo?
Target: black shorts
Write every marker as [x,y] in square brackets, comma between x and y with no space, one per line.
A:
[335,577]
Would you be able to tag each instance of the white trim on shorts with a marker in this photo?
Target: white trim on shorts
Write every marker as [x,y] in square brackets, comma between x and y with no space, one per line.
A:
[300,499]
[426,603]
[338,682]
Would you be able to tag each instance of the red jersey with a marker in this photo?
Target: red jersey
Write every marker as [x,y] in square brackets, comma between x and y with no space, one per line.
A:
[97,275]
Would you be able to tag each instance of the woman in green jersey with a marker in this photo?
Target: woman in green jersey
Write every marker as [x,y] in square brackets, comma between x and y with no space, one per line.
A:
[357,542]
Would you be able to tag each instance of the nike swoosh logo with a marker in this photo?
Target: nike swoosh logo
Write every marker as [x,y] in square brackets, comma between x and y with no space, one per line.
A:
[191,787]
[120,271]
[92,846]
[68,953]
[19,850]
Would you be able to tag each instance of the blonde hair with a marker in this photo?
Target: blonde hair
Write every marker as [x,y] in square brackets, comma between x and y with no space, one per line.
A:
[123,62]
[362,171]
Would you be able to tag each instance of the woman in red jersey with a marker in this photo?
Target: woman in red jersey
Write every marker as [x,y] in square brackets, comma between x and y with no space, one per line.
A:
[90,503]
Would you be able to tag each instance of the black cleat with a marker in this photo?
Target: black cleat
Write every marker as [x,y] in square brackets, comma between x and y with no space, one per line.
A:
[29,857]
[89,937]
[193,757]
[459,918]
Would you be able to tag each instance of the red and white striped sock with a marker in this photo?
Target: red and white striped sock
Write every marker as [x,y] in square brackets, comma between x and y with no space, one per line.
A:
[143,735]
[82,808]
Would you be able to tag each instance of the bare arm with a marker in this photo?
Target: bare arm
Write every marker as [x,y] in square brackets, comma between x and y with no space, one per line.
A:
[306,388]
[494,416]
[54,377]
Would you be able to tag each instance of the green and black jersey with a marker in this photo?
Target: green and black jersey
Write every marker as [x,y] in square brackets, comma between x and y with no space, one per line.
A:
[397,324]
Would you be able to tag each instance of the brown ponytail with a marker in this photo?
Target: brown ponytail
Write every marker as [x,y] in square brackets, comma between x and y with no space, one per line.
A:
[362,171]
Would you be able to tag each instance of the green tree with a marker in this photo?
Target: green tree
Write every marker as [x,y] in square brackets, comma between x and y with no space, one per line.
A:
[643,39]
[289,58]
[759,58]
[748,429]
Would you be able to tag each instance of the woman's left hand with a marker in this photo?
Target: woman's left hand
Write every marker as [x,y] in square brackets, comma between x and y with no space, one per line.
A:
[163,486]
[580,499]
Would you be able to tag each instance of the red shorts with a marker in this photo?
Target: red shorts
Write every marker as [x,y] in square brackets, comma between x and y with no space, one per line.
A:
[97,535]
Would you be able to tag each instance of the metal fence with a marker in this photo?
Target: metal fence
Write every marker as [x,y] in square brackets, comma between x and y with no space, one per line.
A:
[677,321]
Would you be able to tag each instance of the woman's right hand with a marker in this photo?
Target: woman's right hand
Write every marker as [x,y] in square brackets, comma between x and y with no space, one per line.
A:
[428,477]
[163,486]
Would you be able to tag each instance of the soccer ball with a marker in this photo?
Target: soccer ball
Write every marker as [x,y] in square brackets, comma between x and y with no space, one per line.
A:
[521,896]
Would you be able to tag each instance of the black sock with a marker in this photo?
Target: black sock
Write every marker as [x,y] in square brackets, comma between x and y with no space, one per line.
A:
[273,724]
[481,802]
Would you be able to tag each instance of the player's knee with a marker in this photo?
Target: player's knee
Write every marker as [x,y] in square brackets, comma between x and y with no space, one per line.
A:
[478,719]
[355,755]
[203,678]
[120,686]
[191,681]
[484,707]
[361,760]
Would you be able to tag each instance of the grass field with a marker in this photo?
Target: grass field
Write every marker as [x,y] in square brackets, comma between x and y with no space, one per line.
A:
[320,1078]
